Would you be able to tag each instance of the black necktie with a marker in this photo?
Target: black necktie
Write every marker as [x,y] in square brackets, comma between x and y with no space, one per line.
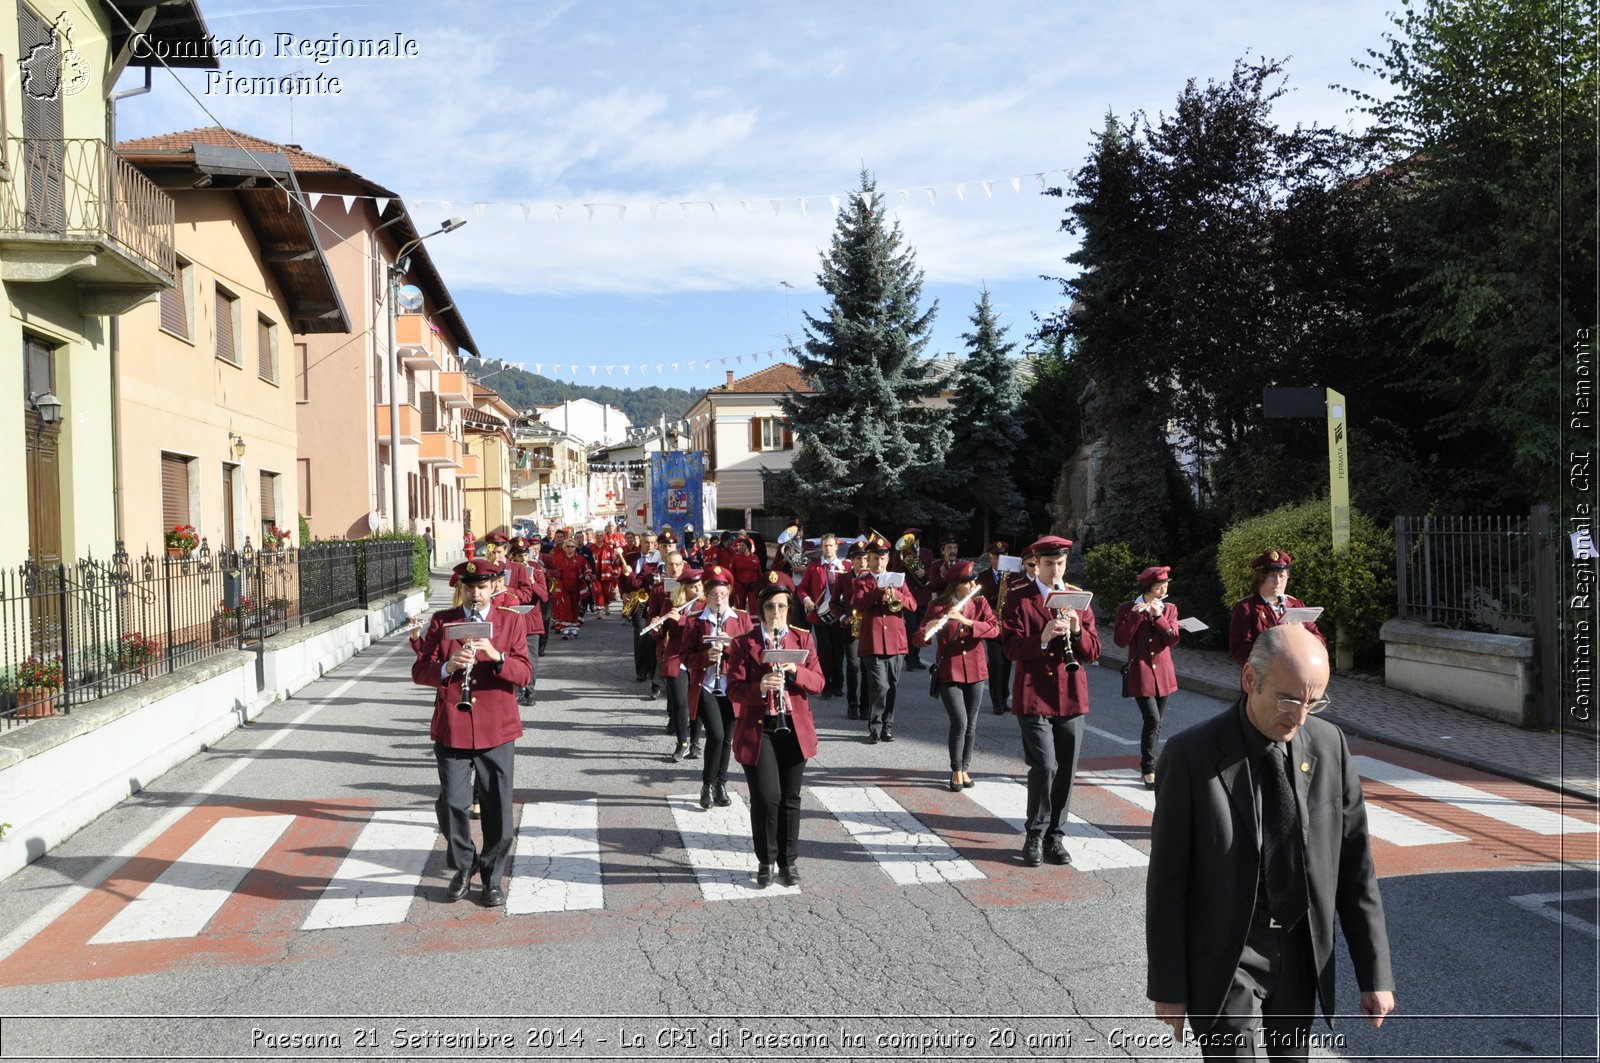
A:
[1283,858]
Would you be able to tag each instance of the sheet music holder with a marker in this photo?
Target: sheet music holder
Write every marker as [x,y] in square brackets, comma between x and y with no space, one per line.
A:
[794,657]
[1008,563]
[524,610]
[1301,614]
[1193,623]
[890,579]
[1068,599]
[463,630]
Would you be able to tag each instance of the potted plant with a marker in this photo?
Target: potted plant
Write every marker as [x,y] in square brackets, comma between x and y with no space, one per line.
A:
[277,610]
[181,539]
[229,619]
[37,680]
[135,651]
[274,538]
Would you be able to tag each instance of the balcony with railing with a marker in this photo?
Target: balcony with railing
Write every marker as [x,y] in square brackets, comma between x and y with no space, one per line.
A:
[455,390]
[410,423]
[438,448]
[470,468]
[76,207]
[419,346]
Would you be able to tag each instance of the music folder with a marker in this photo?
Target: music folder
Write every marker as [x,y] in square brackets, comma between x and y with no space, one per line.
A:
[1008,563]
[1193,623]
[795,657]
[1301,614]
[1068,599]
[890,579]
[462,630]
[524,610]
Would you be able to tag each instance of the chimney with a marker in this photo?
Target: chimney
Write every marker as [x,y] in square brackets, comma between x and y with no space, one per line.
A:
[729,384]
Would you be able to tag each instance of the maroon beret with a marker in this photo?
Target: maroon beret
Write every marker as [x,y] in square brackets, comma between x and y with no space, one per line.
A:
[1050,546]
[1155,574]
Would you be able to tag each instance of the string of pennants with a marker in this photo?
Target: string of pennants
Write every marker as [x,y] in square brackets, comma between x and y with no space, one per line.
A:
[574,369]
[750,206]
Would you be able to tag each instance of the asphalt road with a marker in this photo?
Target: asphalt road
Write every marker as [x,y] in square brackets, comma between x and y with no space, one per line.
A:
[661,955]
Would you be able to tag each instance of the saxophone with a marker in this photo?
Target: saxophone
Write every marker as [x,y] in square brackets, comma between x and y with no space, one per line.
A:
[1004,581]
[632,601]
[856,620]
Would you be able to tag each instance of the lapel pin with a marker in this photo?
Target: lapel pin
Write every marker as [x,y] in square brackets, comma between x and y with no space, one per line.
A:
[1305,765]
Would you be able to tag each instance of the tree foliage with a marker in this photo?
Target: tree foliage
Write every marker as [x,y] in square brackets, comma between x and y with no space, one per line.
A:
[868,443]
[524,390]
[1052,426]
[987,430]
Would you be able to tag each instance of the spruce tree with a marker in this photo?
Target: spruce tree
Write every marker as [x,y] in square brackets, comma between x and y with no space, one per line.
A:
[987,430]
[868,442]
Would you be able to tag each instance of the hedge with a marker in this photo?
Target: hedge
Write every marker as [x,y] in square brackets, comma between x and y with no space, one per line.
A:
[1111,570]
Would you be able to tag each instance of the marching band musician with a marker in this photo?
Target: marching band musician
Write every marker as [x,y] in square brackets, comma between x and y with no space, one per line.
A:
[708,680]
[660,601]
[917,567]
[882,643]
[822,597]
[533,620]
[475,733]
[1148,627]
[639,578]
[670,637]
[746,569]
[1049,696]
[939,571]
[990,581]
[1264,607]
[961,660]
[773,734]
[850,622]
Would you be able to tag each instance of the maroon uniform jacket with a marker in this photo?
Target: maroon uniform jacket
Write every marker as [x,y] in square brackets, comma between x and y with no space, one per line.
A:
[670,637]
[1149,641]
[744,670]
[494,718]
[939,576]
[817,580]
[963,658]
[1251,616]
[519,582]
[696,655]
[639,575]
[920,593]
[883,632]
[1040,686]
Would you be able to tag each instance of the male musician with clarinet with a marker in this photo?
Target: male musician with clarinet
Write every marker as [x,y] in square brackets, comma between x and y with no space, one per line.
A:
[883,639]
[475,725]
[1050,695]
[991,582]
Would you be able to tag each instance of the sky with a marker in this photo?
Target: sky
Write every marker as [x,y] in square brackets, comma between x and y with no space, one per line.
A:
[650,185]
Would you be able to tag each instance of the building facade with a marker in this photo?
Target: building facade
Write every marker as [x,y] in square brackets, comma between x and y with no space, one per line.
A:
[592,422]
[486,475]
[741,429]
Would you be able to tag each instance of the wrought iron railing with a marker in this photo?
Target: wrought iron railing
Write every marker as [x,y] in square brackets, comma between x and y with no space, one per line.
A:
[1471,573]
[82,188]
[70,633]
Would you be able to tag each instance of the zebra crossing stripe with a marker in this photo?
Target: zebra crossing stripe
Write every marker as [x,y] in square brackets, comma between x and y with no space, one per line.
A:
[1124,783]
[378,878]
[717,842]
[1092,849]
[556,867]
[1470,799]
[908,852]
[193,888]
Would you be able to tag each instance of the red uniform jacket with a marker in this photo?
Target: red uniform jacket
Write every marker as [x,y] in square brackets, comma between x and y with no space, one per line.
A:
[1040,686]
[963,658]
[1251,616]
[744,671]
[670,637]
[697,656]
[746,575]
[883,632]
[494,718]
[519,583]
[638,574]
[939,576]
[818,580]
[1149,641]
[920,594]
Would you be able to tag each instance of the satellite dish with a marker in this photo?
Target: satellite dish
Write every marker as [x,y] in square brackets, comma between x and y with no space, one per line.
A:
[410,298]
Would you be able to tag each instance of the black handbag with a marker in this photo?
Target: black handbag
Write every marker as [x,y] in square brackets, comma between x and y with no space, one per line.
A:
[1125,668]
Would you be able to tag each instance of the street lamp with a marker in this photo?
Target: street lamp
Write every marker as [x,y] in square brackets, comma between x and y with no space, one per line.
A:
[396,268]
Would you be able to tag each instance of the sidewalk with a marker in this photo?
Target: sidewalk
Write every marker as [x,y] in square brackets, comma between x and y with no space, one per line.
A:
[1367,709]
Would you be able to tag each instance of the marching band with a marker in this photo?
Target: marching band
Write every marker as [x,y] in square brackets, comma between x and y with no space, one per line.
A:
[741,652]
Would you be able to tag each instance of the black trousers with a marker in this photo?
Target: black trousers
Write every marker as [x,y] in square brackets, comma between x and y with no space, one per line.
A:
[774,781]
[1050,746]
[533,660]
[544,636]
[830,640]
[678,707]
[494,770]
[961,703]
[644,649]
[1152,709]
[913,620]
[1268,1009]
[882,674]
[717,712]
[855,682]
[999,676]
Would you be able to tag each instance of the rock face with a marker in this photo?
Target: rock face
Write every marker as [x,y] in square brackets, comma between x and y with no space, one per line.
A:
[1073,514]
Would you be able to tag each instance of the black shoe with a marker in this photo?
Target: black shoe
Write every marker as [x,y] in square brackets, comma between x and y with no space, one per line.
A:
[525,697]
[916,666]
[719,796]
[1055,850]
[1000,710]
[694,750]
[493,896]
[681,752]
[872,738]
[640,678]
[541,651]
[789,876]
[888,735]
[705,797]
[763,876]
[1033,849]
[966,784]
[458,886]
[955,786]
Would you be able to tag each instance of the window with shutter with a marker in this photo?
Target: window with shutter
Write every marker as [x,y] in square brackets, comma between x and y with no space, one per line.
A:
[174,491]
[430,412]
[266,350]
[229,479]
[227,348]
[788,437]
[755,433]
[377,378]
[175,301]
[269,503]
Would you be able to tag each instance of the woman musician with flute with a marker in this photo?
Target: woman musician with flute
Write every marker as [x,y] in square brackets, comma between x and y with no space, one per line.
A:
[773,735]
[704,653]
[669,627]
[960,621]
[1148,628]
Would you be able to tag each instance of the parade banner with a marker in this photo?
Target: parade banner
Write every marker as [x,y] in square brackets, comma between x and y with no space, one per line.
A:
[675,490]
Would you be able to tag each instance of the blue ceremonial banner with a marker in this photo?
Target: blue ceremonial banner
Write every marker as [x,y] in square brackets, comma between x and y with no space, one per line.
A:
[675,490]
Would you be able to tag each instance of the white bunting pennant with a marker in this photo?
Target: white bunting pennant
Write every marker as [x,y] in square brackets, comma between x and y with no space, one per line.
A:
[714,209]
[558,209]
[933,195]
[988,189]
[479,208]
[777,204]
[574,370]
[905,197]
[803,204]
[449,207]
[382,203]
[653,207]
[526,210]
[835,201]
[314,198]
[589,210]
[622,210]
[745,203]
[349,203]
[593,369]
[961,192]
[866,198]
[1016,184]
[1040,176]
[685,208]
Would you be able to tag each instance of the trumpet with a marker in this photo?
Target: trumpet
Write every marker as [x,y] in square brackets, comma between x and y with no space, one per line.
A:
[1069,660]
[632,601]
[662,619]
[778,700]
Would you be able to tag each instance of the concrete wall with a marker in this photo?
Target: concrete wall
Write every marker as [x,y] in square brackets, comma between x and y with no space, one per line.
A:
[58,774]
[1491,675]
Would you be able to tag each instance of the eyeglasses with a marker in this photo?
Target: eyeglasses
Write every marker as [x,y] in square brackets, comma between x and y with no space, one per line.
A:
[1295,705]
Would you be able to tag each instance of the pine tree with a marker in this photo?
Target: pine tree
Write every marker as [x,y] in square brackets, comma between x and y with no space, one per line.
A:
[869,443]
[987,430]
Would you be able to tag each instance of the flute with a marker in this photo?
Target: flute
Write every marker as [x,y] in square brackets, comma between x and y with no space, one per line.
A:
[664,617]
[956,608]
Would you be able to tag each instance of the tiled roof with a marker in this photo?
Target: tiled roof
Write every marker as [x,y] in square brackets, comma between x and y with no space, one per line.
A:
[301,160]
[775,379]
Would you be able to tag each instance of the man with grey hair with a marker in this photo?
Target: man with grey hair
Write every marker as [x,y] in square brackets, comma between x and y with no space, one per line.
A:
[1259,838]
[823,590]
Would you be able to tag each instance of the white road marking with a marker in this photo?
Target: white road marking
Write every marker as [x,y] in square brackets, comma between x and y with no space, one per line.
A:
[378,878]
[1540,904]
[1113,737]
[1397,828]
[1470,799]
[557,863]
[1092,849]
[1119,782]
[194,887]
[907,851]
[717,842]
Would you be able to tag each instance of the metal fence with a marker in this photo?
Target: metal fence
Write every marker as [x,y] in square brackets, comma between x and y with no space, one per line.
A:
[1471,573]
[73,633]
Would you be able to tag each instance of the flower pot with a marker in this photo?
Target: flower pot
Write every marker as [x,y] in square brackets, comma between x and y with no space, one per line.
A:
[174,553]
[35,703]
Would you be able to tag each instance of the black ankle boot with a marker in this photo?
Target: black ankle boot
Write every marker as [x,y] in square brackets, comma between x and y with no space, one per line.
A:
[705,796]
[719,796]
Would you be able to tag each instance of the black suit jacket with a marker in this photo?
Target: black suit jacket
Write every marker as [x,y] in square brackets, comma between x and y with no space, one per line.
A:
[1200,895]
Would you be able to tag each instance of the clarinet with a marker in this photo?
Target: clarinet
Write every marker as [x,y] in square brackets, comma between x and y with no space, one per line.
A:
[778,700]
[465,701]
[1069,660]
